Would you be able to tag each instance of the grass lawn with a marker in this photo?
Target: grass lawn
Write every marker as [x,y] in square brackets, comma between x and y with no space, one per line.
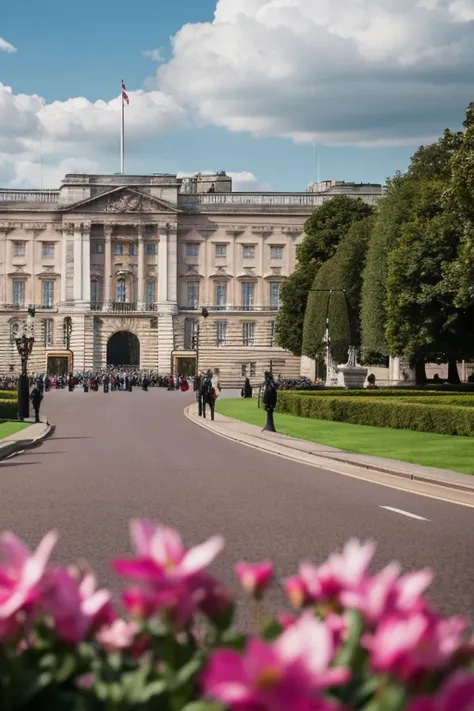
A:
[432,450]
[9,428]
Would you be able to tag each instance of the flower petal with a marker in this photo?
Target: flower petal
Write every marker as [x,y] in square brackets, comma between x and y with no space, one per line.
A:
[141,533]
[198,558]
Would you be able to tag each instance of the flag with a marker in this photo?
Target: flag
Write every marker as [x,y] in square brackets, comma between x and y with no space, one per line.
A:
[124,94]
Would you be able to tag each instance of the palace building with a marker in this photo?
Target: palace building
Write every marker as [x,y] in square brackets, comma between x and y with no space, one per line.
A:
[119,268]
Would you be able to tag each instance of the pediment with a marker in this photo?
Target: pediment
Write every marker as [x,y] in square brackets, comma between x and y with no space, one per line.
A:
[123,200]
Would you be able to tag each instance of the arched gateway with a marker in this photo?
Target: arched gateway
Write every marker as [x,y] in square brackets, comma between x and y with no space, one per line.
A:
[123,348]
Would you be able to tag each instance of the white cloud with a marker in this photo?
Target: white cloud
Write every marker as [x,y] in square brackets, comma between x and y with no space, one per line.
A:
[156,55]
[76,130]
[361,72]
[6,46]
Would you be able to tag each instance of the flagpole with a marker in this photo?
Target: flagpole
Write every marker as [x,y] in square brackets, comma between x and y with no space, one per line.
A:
[122,133]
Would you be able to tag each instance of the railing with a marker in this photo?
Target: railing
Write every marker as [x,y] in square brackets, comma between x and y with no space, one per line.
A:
[44,196]
[227,307]
[277,199]
[119,307]
[25,307]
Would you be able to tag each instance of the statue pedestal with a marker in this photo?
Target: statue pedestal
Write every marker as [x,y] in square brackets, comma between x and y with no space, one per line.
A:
[352,376]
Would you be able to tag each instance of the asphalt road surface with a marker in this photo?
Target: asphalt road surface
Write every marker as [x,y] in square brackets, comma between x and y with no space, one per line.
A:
[122,455]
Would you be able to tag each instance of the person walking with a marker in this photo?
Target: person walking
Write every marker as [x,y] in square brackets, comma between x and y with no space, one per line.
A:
[36,397]
[247,389]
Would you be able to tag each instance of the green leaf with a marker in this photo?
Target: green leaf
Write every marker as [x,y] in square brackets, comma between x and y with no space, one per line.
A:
[271,630]
[202,706]
[188,672]
[66,668]
[352,652]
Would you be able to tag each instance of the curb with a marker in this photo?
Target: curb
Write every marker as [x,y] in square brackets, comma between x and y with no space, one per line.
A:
[266,446]
[11,449]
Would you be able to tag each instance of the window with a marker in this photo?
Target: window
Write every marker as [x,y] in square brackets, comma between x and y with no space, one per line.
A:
[274,295]
[48,332]
[19,292]
[97,247]
[248,295]
[150,248]
[120,291]
[48,249]
[154,322]
[48,294]
[15,329]
[221,250]
[248,333]
[243,369]
[190,332]
[96,292]
[221,333]
[150,294]
[19,249]
[249,251]
[253,369]
[133,249]
[221,293]
[192,249]
[192,296]
[272,333]
[276,252]
[67,331]
[118,249]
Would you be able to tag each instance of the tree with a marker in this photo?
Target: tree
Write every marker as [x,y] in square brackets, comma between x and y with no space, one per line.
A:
[431,162]
[343,271]
[323,231]
[394,210]
[423,322]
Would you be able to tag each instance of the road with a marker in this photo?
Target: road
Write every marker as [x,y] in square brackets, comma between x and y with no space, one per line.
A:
[123,455]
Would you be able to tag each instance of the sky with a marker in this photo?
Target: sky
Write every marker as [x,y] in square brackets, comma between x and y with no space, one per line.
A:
[277,93]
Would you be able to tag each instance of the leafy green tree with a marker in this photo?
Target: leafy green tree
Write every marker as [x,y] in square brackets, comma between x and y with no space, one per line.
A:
[342,272]
[423,322]
[323,231]
[394,210]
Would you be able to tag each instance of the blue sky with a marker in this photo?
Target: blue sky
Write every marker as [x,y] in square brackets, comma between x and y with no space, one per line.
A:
[67,50]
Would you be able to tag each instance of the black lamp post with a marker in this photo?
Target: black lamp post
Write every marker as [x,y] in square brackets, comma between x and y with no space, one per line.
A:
[24,344]
[270,401]
[204,314]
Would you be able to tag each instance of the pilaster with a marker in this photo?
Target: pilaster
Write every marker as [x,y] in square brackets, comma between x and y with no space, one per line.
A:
[141,268]
[163,265]
[107,262]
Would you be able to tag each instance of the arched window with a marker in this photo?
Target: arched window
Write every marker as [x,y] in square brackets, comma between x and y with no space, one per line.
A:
[48,326]
[120,291]
[67,326]
[15,330]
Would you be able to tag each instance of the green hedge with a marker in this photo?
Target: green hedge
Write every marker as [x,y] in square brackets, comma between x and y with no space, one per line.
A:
[8,395]
[382,393]
[396,414]
[8,409]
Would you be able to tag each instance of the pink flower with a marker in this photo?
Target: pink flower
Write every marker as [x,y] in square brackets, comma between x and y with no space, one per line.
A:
[21,572]
[162,557]
[387,593]
[280,676]
[456,694]
[255,579]
[407,645]
[286,619]
[341,572]
[212,597]
[76,606]
[297,592]
[119,635]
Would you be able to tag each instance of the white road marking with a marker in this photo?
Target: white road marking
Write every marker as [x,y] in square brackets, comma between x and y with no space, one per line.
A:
[404,513]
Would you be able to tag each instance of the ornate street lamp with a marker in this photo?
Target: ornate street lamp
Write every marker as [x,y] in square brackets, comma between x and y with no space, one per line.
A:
[24,344]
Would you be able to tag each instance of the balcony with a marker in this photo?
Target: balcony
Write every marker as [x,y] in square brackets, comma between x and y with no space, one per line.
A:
[216,308]
[119,307]
[41,196]
[25,307]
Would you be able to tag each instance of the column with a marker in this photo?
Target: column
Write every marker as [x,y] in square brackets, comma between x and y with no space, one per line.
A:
[163,265]
[63,266]
[86,264]
[107,263]
[172,262]
[78,266]
[141,297]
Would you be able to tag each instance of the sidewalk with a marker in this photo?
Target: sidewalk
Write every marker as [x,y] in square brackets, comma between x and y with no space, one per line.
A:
[322,456]
[28,438]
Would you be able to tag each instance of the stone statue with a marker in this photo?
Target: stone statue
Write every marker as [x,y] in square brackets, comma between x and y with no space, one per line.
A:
[270,397]
[127,203]
[352,357]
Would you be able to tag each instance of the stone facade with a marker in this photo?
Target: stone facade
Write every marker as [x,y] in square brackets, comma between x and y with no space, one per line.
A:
[140,256]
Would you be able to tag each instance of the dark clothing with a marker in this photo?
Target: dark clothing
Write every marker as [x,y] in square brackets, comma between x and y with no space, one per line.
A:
[247,389]
[36,397]
[208,396]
